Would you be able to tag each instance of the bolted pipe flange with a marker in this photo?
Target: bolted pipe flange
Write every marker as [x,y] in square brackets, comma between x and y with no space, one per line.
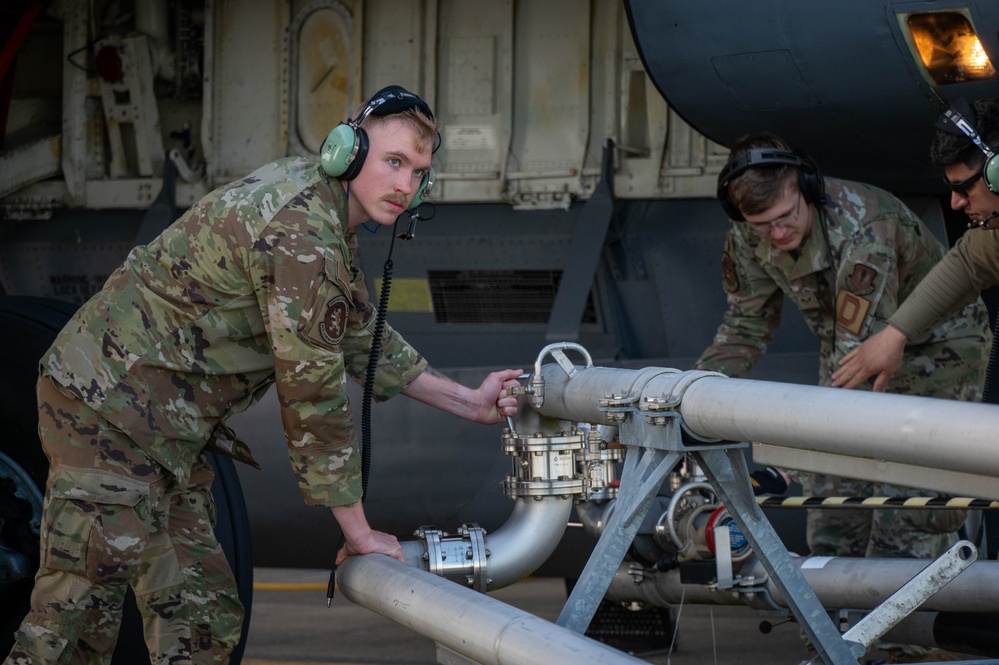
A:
[461,558]
[544,465]
[598,466]
[434,554]
[514,443]
[514,488]
[476,556]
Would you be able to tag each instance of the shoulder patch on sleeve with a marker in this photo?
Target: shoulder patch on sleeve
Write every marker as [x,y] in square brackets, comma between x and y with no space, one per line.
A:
[334,323]
[730,276]
[861,280]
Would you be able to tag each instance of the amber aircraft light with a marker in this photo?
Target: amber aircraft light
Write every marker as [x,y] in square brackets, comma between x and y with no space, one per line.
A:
[949,48]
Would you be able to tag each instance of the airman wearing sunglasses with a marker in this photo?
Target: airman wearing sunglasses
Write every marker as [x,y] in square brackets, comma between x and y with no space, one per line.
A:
[972,264]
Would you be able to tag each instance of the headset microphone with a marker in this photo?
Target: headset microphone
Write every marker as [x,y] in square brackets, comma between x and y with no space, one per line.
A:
[410,233]
[984,222]
[415,216]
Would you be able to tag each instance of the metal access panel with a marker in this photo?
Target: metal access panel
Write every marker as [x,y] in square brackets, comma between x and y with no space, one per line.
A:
[551,103]
[527,94]
[242,119]
[475,54]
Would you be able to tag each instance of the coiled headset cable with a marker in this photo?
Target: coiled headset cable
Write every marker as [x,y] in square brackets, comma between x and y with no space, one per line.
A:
[376,343]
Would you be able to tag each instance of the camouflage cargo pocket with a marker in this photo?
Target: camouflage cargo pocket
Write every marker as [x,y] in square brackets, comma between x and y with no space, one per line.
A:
[94,528]
[937,521]
[37,644]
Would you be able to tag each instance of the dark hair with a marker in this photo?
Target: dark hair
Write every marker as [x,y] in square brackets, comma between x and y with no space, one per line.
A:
[756,189]
[950,146]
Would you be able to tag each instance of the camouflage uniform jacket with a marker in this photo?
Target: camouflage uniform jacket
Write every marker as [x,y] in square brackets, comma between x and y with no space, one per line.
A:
[970,266]
[253,285]
[879,251]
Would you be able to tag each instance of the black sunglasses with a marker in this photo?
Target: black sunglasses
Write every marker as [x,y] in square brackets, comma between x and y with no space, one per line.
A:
[961,188]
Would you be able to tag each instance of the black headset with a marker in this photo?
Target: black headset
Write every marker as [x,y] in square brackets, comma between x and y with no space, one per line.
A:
[990,169]
[346,147]
[810,181]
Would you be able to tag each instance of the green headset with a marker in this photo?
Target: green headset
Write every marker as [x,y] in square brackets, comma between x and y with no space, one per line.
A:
[346,147]
[990,169]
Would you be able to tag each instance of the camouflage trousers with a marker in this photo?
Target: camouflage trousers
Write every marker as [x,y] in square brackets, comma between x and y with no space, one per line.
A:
[949,370]
[114,518]
[888,533]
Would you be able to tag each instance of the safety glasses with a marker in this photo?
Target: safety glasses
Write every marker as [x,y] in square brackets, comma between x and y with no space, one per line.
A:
[961,188]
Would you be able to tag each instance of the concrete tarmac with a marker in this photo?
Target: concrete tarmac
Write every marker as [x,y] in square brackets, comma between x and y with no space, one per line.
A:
[291,625]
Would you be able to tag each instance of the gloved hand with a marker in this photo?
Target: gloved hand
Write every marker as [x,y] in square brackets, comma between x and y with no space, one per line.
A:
[768,481]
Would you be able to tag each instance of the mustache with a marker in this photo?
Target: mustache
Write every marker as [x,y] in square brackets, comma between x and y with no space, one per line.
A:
[398,200]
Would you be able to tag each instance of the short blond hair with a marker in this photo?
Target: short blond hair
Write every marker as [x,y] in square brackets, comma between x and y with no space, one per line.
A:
[426,128]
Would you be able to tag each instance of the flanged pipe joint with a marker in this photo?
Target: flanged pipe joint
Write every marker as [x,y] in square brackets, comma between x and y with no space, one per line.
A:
[544,483]
[550,470]
[461,559]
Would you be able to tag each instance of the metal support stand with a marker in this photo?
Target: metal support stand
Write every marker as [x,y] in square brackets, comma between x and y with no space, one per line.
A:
[644,472]
[728,473]
[654,435]
[658,428]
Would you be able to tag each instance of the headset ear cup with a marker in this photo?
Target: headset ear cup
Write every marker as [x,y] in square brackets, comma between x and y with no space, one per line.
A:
[354,166]
[810,182]
[343,151]
[426,185]
[338,150]
[806,183]
[990,173]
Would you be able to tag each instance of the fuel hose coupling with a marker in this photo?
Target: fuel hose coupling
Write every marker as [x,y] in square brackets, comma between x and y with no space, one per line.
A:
[544,465]
[461,558]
